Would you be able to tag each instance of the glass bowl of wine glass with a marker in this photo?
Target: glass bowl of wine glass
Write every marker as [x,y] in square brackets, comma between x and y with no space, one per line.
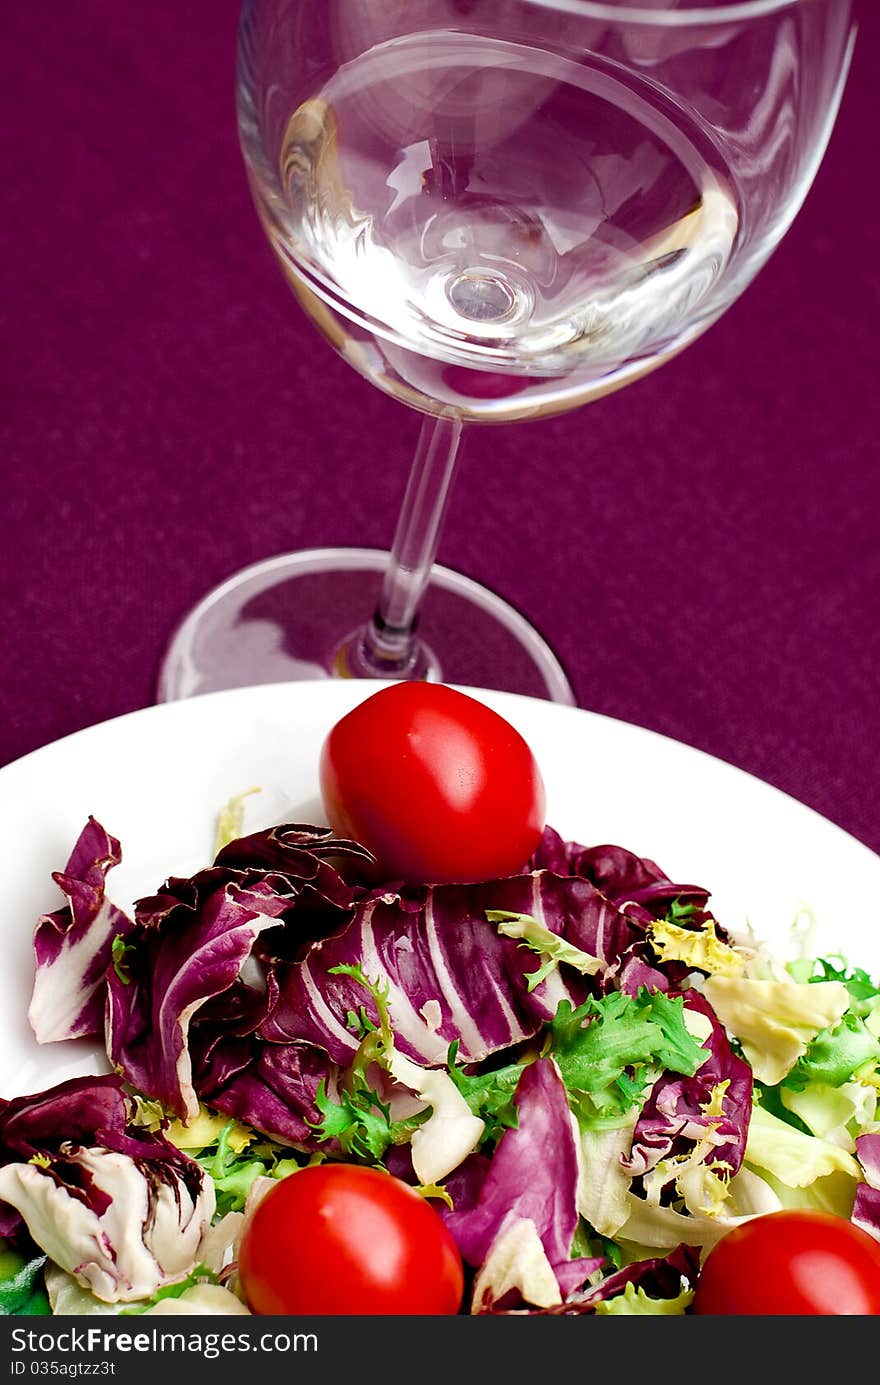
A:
[497,210]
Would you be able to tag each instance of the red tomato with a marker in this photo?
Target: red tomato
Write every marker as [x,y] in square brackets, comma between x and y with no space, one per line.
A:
[436,784]
[344,1239]
[792,1262]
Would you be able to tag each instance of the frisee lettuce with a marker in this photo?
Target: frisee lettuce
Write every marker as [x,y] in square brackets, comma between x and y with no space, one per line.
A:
[359,1120]
[610,1051]
[634,1301]
[233,1167]
[488,1094]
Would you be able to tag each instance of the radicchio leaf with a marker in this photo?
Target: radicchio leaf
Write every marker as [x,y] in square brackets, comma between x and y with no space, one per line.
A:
[200,957]
[190,946]
[316,863]
[660,1277]
[73,946]
[444,954]
[674,1115]
[642,892]
[115,1204]
[866,1209]
[623,877]
[532,1176]
[274,1088]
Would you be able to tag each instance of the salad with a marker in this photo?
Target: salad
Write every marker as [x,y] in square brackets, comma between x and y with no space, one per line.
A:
[575,1085]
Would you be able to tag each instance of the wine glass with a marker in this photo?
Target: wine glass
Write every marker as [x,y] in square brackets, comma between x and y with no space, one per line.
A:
[496,210]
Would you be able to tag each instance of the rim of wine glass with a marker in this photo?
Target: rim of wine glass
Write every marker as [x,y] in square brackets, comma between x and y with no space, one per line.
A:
[733,11]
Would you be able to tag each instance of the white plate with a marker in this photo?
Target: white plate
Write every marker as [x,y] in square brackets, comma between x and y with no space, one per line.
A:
[157,777]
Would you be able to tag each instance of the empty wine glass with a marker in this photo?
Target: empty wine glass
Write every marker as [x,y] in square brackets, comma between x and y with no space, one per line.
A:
[496,210]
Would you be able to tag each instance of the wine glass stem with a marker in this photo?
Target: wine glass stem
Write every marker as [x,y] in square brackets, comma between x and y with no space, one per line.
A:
[389,647]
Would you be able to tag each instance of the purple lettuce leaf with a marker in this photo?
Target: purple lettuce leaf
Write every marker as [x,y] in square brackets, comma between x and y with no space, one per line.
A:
[179,957]
[634,972]
[444,951]
[622,877]
[298,849]
[866,1208]
[672,1118]
[73,946]
[532,1175]
[323,871]
[272,1087]
[660,1277]
[201,950]
[72,1110]
[83,986]
[642,892]
[84,1112]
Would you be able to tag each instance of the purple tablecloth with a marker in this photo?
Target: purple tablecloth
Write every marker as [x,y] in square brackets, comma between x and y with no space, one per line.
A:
[701,549]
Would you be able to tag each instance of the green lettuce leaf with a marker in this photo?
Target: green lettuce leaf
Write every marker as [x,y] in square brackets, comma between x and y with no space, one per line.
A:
[862,988]
[792,1157]
[775,1021]
[839,1114]
[611,1050]
[233,1166]
[635,1301]
[489,1094]
[230,820]
[836,1055]
[359,1119]
[21,1283]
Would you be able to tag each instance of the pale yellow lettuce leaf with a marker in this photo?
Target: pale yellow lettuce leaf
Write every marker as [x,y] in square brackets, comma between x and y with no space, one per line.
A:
[603,1183]
[775,1021]
[701,949]
[837,1114]
[516,1260]
[651,1229]
[791,1156]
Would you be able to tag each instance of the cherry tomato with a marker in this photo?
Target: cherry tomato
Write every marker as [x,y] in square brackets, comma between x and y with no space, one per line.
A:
[437,785]
[345,1239]
[792,1262]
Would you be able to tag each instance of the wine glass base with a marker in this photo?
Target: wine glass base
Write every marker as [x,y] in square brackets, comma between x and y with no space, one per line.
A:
[280,621]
